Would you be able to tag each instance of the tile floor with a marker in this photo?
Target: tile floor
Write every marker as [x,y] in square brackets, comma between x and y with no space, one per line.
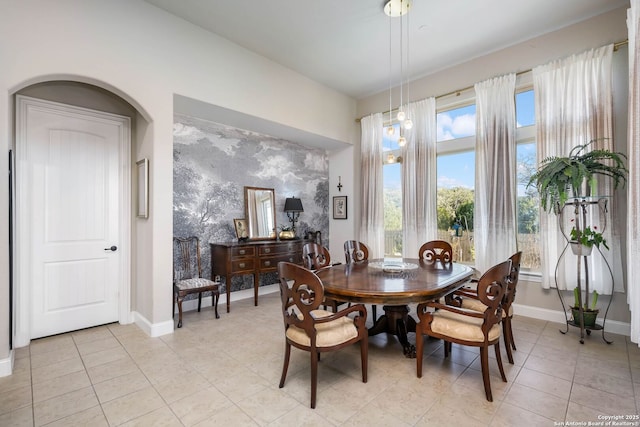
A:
[226,372]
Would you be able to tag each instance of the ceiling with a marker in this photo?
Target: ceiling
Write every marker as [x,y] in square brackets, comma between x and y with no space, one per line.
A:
[344,44]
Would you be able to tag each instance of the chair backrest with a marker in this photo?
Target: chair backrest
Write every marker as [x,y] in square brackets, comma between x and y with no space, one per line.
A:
[315,256]
[314,236]
[355,251]
[491,289]
[186,258]
[436,250]
[301,292]
[510,293]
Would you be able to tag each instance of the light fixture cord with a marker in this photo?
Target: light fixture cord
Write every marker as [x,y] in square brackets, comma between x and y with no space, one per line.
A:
[401,56]
[390,62]
[408,64]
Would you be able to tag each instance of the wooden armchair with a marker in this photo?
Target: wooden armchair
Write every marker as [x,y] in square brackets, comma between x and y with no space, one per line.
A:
[468,298]
[314,330]
[468,327]
[187,275]
[436,250]
[355,251]
[314,258]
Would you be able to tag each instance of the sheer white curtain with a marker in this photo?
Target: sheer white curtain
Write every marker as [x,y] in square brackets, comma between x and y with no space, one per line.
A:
[633,147]
[372,221]
[573,103]
[419,213]
[494,222]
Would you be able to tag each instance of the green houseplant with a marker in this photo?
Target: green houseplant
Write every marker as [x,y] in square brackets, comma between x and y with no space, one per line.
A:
[583,241]
[559,177]
[589,312]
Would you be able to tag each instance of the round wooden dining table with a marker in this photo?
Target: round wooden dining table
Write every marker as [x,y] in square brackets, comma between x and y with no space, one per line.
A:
[394,283]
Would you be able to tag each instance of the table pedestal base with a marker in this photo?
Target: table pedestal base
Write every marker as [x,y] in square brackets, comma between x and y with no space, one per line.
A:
[396,321]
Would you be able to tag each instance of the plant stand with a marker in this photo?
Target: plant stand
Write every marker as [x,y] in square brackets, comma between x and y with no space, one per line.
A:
[580,208]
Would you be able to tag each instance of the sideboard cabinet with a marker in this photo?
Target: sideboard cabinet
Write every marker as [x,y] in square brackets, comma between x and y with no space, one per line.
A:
[230,259]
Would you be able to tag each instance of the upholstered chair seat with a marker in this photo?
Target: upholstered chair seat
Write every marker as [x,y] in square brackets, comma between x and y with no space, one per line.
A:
[329,334]
[475,305]
[194,283]
[462,327]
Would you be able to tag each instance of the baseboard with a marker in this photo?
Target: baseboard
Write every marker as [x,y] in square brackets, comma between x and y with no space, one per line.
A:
[153,329]
[6,365]
[192,304]
[612,326]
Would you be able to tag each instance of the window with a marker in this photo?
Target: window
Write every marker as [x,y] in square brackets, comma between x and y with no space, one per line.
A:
[456,179]
[392,194]
[528,201]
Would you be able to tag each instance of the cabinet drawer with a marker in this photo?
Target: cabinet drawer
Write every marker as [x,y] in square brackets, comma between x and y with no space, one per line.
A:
[242,265]
[286,248]
[243,251]
[272,262]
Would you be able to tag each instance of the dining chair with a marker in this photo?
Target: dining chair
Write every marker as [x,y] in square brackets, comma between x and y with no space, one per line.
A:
[468,298]
[309,328]
[436,250]
[315,257]
[468,327]
[187,275]
[355,251]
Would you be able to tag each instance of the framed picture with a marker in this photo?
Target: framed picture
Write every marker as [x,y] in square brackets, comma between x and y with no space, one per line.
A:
[241,228]
[340,207]
[142,168]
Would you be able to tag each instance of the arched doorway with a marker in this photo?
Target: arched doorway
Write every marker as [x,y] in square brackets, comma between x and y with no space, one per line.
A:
[80,96]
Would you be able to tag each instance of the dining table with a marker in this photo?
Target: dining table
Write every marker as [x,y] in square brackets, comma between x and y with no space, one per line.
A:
[395,283]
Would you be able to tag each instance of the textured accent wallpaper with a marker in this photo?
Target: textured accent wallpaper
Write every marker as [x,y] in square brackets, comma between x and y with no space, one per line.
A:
[212,163]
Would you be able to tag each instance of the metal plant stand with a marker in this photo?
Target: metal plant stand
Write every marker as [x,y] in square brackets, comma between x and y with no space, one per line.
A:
[580,208]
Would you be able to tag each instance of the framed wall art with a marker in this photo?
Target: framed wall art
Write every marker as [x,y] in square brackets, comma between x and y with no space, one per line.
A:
[340,207]
[242,232]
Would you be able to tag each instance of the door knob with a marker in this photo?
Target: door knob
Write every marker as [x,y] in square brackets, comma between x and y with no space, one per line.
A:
[112,249]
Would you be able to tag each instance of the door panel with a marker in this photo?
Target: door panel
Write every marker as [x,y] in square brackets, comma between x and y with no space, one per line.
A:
[72,164]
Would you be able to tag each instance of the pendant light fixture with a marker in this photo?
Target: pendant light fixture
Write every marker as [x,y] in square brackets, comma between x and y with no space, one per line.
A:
[394,9]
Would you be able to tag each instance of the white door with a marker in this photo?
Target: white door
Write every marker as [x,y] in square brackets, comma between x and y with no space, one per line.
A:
[68,166]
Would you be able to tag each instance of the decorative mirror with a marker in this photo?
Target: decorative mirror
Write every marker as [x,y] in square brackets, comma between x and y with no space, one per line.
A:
[260,212]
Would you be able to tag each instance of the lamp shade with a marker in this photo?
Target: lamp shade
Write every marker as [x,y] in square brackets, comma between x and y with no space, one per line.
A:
[293,204]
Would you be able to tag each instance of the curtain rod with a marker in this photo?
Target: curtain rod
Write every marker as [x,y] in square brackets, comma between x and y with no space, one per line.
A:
[458,92]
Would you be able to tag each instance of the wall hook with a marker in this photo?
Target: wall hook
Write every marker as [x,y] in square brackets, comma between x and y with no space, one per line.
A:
[339,183]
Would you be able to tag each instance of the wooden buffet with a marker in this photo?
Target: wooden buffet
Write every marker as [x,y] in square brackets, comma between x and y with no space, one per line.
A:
[230,259]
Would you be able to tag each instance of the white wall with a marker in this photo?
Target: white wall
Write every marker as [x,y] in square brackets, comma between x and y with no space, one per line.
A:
[145,56]
[341,165]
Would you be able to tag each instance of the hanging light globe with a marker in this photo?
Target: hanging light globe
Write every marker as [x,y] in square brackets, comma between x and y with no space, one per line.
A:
[402,141]
[401,115]
[408,124]
[390,130]
[391,158]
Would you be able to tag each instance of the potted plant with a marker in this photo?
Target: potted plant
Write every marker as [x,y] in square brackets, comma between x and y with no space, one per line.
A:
[286,232]
[583,241]
[589,312]
[558,176]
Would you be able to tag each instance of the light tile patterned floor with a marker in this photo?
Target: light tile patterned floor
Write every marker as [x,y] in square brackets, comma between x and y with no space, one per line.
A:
[226,372]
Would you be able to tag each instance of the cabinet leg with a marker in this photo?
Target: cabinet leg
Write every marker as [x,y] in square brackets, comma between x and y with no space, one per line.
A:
[256,284]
